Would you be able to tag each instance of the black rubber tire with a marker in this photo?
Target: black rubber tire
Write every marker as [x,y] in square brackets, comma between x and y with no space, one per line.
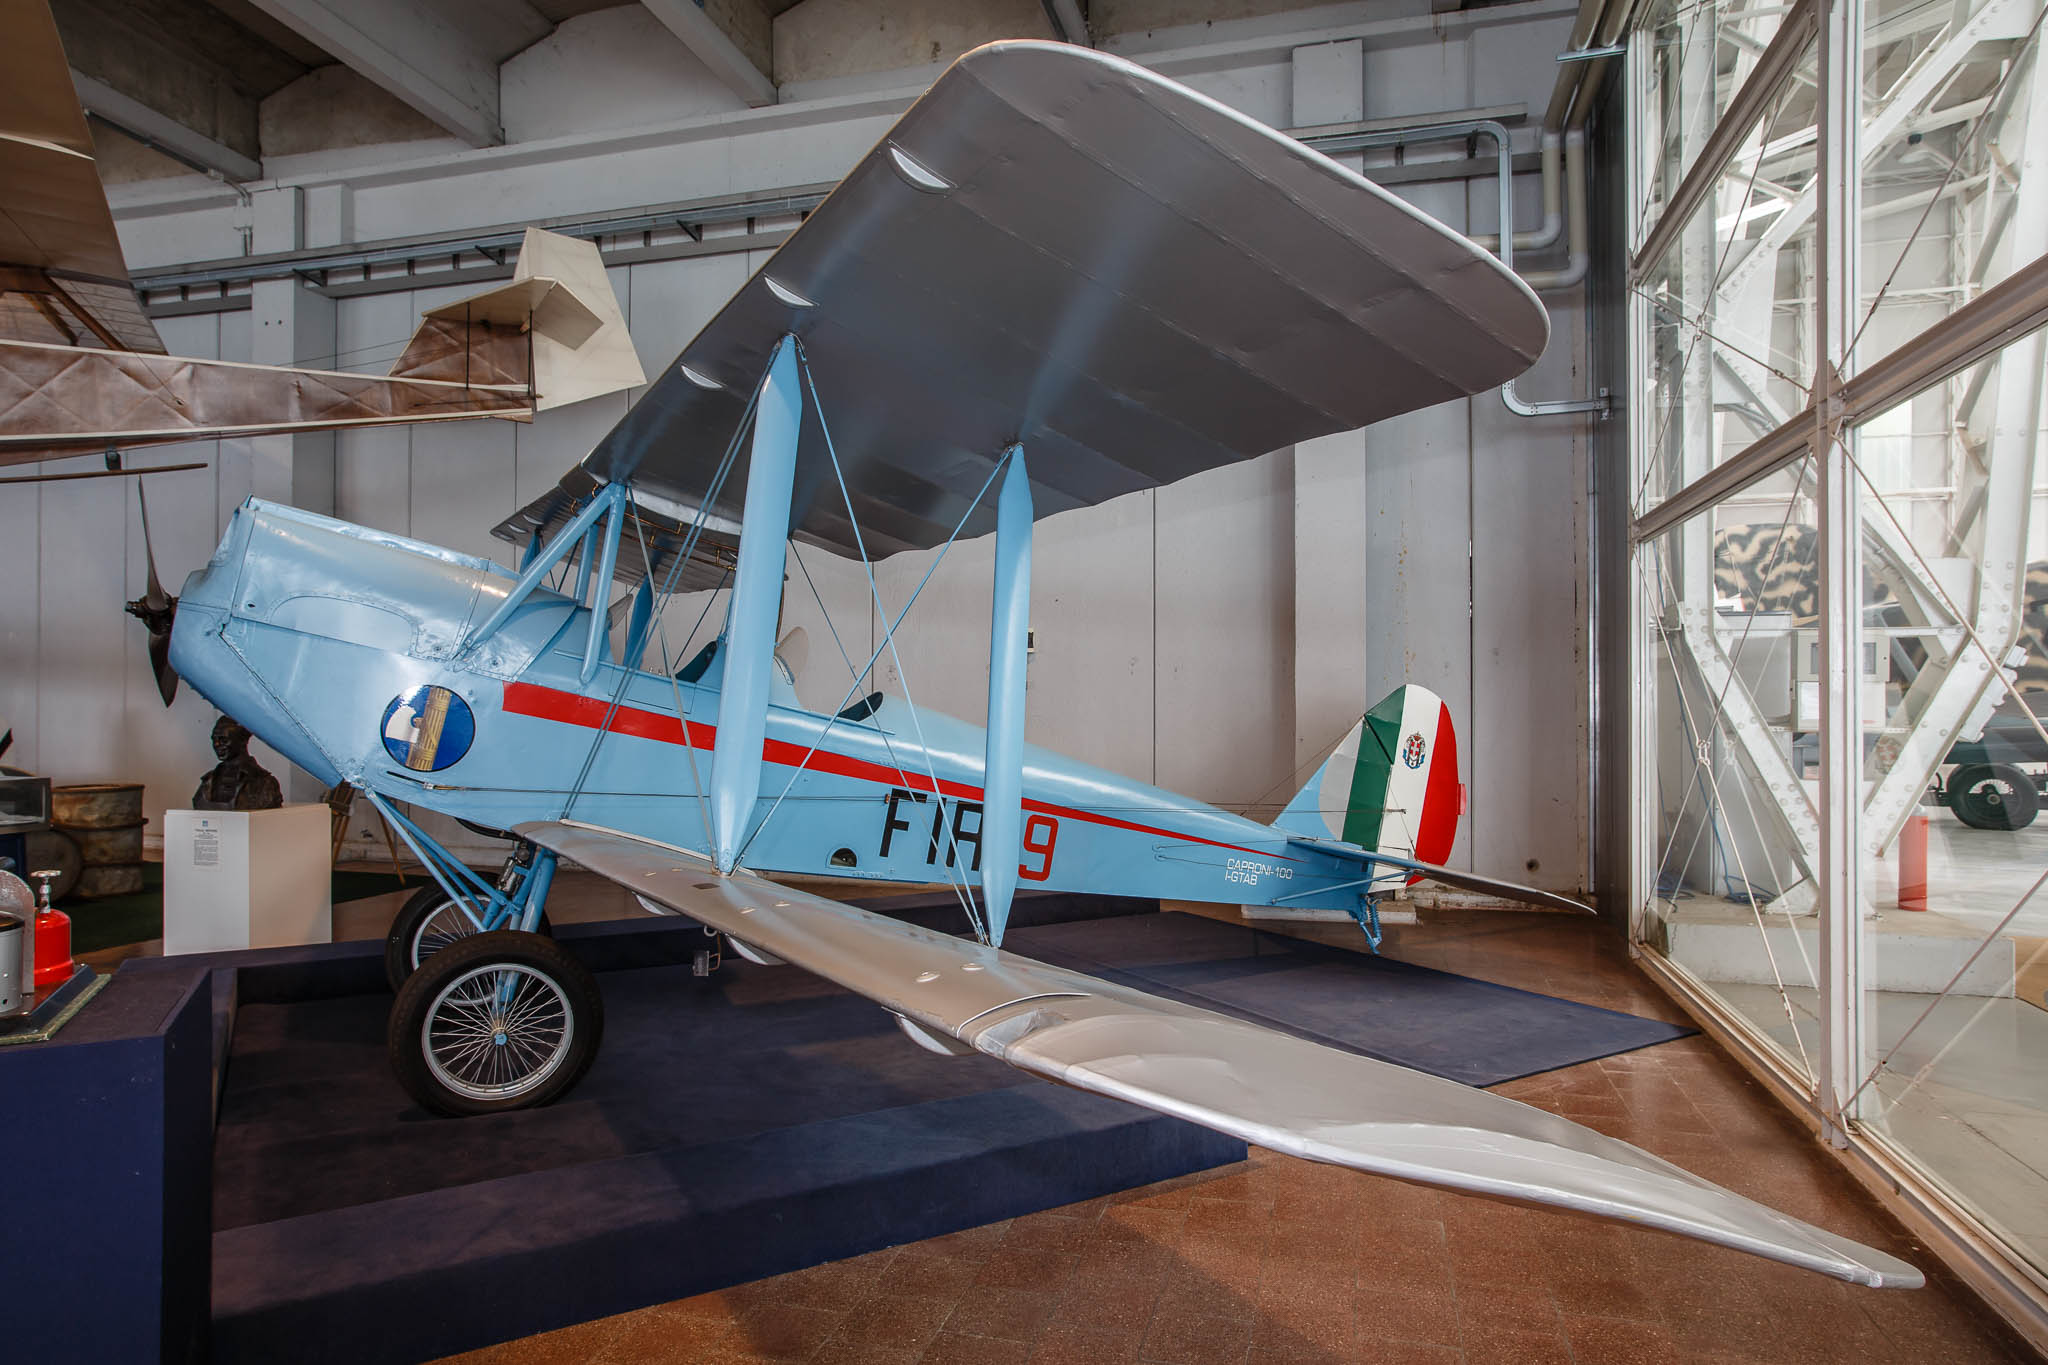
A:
[558,978]
[400,943]
[1993,796]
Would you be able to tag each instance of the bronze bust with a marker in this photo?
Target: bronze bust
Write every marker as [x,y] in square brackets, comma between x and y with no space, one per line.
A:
[237,782]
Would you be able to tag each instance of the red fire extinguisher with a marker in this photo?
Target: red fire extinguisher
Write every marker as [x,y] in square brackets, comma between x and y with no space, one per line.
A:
[54,966]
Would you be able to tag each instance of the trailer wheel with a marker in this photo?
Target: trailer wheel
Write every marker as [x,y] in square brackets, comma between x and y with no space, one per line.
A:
[497,1021]
[429,922]
[1993,796]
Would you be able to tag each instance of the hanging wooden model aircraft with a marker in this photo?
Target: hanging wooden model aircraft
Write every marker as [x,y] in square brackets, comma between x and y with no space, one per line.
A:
[82,369]
[1058,279]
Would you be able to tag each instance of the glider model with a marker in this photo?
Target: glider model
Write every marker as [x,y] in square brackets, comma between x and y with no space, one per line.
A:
[82,369]
[1058,279]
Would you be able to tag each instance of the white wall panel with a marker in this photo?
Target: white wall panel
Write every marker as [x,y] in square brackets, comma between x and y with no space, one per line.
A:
[1417,576]
[668,303]
[1224,665]
[1331,556]
[1093,598]
[373,465]
[83,659]
[1526,739]
[21,569]
[1416,78]
[461,484]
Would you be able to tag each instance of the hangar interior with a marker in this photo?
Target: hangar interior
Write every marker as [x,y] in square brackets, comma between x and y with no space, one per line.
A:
[1738,597]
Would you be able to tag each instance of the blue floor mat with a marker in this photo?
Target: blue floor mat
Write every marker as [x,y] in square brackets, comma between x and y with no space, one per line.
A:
[1447,1025]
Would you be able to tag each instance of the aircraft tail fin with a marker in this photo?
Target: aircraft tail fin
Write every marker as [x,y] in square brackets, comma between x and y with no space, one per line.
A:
[557,327]
[1391,786]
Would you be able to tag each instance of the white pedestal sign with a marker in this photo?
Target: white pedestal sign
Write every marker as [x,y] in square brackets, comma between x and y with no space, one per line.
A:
[247,879]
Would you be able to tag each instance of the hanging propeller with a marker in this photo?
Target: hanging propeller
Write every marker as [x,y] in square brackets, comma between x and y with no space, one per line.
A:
[156,609]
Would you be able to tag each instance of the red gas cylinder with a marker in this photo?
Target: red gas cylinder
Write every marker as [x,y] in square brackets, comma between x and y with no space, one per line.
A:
[53,940]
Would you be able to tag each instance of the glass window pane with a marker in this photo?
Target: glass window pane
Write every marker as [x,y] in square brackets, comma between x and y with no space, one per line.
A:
[1955,958]
[1732,895]
[1731,307]
[1700,54]
[1955,111]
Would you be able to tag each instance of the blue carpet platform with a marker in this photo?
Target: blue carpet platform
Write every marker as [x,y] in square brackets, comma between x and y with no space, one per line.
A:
[734,1126]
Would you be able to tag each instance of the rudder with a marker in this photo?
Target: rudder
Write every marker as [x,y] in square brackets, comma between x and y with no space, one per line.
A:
[1391,785]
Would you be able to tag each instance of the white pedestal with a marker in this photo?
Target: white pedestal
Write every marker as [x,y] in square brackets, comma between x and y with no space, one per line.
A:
[247,879]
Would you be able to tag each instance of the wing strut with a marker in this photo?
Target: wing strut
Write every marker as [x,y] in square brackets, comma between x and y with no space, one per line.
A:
[756,602]
[1002,811]
[539,562]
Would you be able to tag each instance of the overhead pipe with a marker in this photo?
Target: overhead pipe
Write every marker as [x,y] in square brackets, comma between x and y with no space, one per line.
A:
[1600,24]
[1596,30]
[1585,27]
[1579,251]
[1573,273]
[1536,239]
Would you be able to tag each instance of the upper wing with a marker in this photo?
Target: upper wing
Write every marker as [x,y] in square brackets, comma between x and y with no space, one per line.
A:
[70,283]
[1265,1087]
[1056,246]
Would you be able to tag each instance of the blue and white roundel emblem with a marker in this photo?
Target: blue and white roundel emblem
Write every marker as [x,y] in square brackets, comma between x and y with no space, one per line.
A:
[1412,752]
[428,729]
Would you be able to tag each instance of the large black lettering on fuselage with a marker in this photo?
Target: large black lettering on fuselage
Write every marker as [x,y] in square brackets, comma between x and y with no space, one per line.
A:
[965,833]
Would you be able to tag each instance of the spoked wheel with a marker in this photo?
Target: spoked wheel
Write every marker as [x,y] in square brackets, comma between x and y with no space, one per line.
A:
[504,1020]
[1993,796]
[430,921]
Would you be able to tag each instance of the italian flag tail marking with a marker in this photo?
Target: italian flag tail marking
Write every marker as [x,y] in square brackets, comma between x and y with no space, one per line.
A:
[1391,785]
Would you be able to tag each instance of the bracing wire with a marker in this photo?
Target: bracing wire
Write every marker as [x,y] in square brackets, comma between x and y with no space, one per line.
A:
[682,557]
[875,589]
[887,637]
[1756,910]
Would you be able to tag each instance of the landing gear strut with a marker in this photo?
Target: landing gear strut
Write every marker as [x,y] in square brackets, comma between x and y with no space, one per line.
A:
[492,1014]
[434,918]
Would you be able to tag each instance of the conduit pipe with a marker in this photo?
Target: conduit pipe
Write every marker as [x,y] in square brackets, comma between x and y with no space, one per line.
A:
[1599,23]
[1586,26]
[1536,239]
[1578,257]
[1573,273]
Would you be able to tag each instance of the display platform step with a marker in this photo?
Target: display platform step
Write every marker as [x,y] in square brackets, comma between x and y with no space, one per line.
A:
[752,1123]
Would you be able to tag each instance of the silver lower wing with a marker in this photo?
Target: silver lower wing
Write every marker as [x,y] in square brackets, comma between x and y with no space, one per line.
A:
[1265,1087]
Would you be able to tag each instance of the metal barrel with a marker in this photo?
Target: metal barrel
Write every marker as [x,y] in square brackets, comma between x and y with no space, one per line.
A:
[96,805]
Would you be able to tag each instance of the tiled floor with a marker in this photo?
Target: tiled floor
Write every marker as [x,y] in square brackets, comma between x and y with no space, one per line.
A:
[1277,1260]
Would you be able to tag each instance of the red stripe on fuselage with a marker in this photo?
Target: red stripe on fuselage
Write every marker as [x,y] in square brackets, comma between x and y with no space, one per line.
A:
[571,708]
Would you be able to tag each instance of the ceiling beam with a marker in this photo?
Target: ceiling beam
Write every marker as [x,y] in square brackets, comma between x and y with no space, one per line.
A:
[162,132]
[443,61]
[701,34]
[1068,21]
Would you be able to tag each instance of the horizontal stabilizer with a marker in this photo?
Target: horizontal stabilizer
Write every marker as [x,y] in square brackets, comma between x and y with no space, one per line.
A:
[558,314]
[1464,881]
[1265,1087]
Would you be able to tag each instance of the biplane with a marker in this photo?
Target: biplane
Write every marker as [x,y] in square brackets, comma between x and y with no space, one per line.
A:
[1058,279]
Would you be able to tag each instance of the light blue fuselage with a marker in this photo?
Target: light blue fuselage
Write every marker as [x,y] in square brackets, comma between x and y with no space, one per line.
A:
[307,630]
